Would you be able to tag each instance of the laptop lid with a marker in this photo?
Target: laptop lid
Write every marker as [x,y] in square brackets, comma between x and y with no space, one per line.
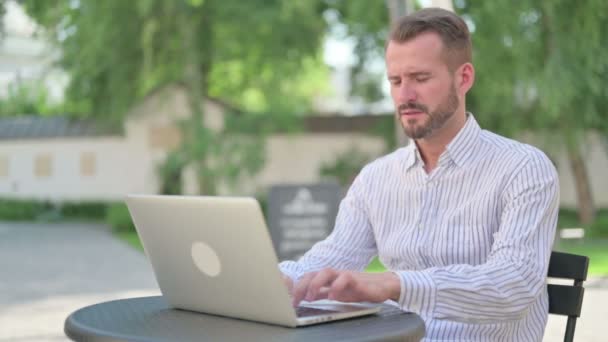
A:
[215,255]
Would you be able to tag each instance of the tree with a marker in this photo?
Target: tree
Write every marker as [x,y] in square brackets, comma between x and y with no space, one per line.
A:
[259,55]
[28,99]
[542,67]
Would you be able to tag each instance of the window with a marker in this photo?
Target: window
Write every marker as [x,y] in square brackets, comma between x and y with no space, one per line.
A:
[88,164]
[3,166]
[43,165]
[165,137]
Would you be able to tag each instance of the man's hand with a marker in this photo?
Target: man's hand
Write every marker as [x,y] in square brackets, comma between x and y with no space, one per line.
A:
[347,286]
[288,283]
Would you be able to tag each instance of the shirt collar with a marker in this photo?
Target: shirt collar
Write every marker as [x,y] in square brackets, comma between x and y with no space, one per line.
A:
[413,155]
[459,150]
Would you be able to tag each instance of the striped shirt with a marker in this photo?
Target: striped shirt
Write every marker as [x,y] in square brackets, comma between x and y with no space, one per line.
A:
[470,241]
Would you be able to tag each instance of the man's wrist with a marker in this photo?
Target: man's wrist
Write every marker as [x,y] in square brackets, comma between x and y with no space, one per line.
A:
[393,285]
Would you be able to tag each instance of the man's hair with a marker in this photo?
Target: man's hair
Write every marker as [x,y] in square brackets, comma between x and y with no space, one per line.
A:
[450,27]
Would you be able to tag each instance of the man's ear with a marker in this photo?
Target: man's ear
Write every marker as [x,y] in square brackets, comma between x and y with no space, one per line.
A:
[465,76]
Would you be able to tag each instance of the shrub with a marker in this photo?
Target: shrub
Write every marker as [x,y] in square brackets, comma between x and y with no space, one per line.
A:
[84,210]
[119,219]
[599,228]
[344,167]
[23,210]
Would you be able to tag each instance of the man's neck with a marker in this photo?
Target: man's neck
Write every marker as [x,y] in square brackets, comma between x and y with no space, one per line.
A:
[433,146]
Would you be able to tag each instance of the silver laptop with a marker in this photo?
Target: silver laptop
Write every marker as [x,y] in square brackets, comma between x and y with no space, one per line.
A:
[214,255]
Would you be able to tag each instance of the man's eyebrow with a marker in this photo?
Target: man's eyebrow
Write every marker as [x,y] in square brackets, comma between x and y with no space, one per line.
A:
[411,74]
[419,73]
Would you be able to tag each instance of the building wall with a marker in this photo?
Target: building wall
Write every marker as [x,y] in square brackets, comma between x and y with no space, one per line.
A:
[298,158]
[59,169]
[65,169]
[129,164]
[595,153]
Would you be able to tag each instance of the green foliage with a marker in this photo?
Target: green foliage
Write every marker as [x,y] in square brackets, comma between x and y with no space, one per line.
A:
[42,210]
[599,228]
[119,219]
[260,55]
[23,210]
[568,218]
[541,66]
[527,77]
[366,23]
[595,249]
[345,167]
[28,99]
[170,173]
[375,266]
[257,54]
[84,210]
[385,129]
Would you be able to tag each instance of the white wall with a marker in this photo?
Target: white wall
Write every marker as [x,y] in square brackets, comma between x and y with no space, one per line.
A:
[129,164]
[596,157]
[113,175]
[298,158]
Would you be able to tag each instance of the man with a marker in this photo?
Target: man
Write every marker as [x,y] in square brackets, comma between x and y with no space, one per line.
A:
[463,218]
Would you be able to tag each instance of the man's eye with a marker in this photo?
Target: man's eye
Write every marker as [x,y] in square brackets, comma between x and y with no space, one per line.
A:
[422,79]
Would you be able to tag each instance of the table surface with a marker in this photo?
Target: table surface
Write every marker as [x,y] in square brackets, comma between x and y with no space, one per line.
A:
[151,319]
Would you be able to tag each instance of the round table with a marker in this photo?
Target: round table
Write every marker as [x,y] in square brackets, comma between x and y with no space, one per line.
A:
[151,319]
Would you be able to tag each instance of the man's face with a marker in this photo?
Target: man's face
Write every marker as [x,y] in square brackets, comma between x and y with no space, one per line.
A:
[422,87]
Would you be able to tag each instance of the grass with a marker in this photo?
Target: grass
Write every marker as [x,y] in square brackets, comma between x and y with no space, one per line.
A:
[375,266]
[131,238]
[596,250]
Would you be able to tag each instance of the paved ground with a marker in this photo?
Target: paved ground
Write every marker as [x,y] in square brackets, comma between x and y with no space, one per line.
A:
[49,270]
[591,326]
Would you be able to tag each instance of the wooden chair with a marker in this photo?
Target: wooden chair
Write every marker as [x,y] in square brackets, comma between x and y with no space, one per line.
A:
[567,300]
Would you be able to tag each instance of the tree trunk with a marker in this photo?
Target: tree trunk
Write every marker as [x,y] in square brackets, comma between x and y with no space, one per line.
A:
[586,208]
[397,9]
[196,30]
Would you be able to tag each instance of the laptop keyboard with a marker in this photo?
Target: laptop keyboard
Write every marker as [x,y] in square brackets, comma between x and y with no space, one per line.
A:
[303,311]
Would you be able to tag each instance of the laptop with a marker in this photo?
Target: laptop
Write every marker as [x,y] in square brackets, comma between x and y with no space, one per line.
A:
[214,255]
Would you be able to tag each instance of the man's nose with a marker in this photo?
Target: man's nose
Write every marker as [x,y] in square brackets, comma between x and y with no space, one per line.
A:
[407,93]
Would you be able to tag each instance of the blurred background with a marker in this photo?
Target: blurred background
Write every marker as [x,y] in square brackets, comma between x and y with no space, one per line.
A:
[99,99]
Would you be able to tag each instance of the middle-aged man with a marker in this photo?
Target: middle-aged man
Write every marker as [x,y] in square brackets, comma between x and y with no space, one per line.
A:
[464,219]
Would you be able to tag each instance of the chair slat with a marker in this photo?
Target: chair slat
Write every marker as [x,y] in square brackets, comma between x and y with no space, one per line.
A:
[570,266]
[565,300]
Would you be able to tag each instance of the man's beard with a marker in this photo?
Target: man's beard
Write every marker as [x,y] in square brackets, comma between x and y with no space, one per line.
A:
[436,119]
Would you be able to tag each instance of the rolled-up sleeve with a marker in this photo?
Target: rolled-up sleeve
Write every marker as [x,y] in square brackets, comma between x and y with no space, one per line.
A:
[514,274]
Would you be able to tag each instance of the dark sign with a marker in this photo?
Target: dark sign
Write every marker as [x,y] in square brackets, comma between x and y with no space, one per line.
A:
[301,215]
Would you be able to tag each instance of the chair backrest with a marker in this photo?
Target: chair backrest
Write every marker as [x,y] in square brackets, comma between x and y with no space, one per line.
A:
[567,300]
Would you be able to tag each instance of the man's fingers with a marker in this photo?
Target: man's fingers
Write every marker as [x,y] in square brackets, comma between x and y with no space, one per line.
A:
[321,280]
[340,285]
[288,283]
[301,287]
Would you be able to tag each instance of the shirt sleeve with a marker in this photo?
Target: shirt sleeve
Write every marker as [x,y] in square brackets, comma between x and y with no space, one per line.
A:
[514,275]
[351,245]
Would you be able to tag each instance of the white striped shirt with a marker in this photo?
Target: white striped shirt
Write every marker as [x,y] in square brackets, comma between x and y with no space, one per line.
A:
[470,241]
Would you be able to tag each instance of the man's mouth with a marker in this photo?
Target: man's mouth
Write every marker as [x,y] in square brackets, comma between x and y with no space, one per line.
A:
[410,112]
